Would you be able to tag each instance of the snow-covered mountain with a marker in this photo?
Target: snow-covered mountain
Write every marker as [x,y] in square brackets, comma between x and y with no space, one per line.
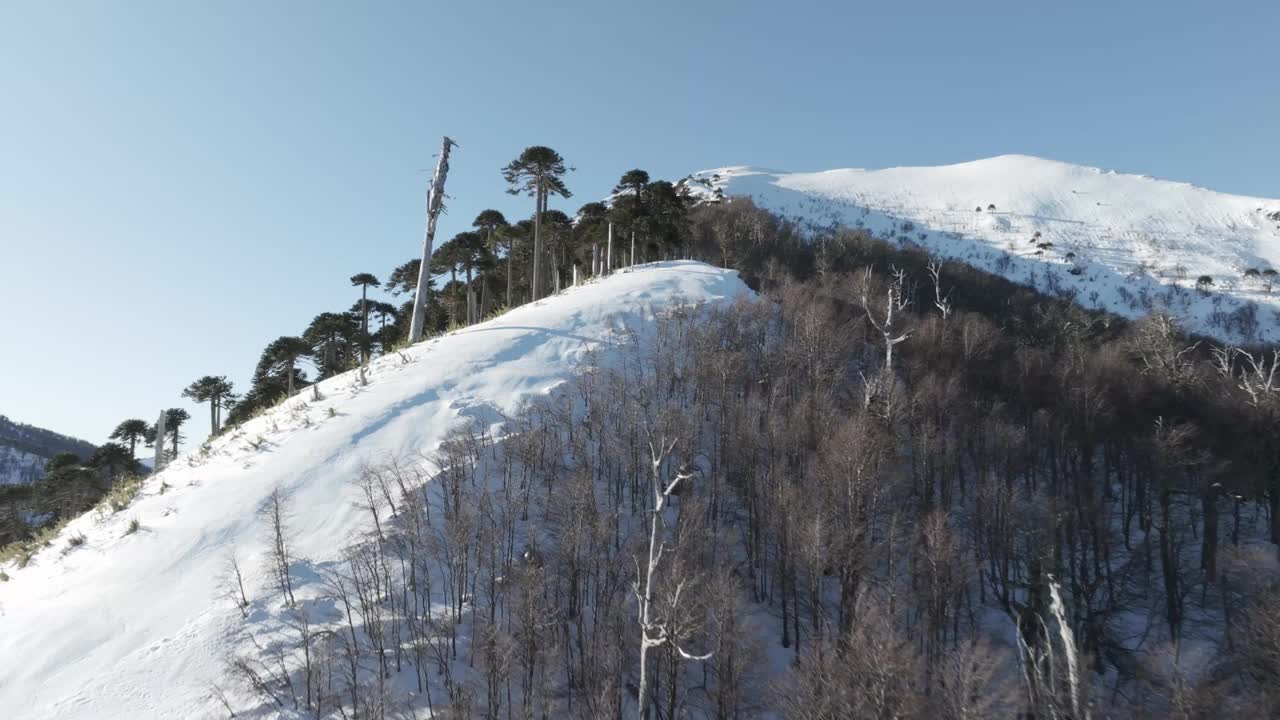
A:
[137,624]
[1124,243]
[24,449]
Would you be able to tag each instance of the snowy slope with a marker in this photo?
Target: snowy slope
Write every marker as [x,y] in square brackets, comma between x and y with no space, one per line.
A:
[137,626]
[1125,243]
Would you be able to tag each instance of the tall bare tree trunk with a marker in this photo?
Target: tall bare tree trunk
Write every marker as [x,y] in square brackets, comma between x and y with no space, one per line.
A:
[510,251]
[608,253]
[158,463]
[435,203]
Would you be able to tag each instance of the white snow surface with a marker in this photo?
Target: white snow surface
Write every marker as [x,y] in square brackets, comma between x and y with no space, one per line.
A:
[138,625]
[1137,242]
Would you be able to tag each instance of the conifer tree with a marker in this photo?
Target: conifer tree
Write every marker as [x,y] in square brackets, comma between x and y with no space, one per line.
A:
[538,173]
[633,181]
[207,389]
[404,279]
[489,222]
[330,336]
[223,398]
[284,353]
[112,458]
[130,431]
[363,281]
[468,248]
[174,418]
[592,221]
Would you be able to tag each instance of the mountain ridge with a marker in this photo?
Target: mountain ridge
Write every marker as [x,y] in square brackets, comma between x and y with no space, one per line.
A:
[24,450]
[1121,242]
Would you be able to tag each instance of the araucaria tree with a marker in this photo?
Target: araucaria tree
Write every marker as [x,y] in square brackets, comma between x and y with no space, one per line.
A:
[332,337]
[213,389]
[538,173]
[174,418]
[628,207]
[363,281]
[130,431]
[469,250]
[489,222]
[632,181]
[284,353]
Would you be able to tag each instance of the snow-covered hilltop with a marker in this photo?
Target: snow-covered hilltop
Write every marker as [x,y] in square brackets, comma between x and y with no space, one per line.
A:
[1124,243]
[131,623]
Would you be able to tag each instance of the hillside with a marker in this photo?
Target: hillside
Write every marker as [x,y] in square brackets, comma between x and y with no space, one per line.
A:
[24,449]
[1123,243]
[138,624]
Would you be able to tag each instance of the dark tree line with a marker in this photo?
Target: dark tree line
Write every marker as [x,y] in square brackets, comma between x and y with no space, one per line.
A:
[496,265]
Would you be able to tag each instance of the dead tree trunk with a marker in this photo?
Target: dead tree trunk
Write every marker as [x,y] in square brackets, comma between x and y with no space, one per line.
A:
[435,204]
[159,462]
[654,632]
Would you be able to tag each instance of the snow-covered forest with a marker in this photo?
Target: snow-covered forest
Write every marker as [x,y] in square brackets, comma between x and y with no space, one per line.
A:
[616,482]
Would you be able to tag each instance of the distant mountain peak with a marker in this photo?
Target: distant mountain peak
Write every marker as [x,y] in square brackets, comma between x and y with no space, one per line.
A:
[1116,241]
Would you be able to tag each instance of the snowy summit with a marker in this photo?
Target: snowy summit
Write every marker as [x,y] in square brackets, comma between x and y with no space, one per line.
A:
[1128,244]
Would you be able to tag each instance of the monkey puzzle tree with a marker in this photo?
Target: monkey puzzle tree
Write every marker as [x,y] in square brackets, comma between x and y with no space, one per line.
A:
[404,279]
[590,228]
[224,397]
[173,421]
[446,259]
[489,222]
[516,252]
[666,213]
[363,281]
[112,458]
[633,181]
[556,227]
[130,431]
[330,336]
[468,249]
[628,211]
[538,173]
[283,354]
[210,389]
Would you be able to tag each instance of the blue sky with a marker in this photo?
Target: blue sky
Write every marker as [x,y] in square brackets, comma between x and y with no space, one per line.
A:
[182,182]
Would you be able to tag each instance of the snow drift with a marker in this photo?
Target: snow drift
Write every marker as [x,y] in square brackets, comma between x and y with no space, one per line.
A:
[133,625]
[1124,243]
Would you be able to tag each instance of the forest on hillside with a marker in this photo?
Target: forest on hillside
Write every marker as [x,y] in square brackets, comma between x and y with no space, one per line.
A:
[888,487]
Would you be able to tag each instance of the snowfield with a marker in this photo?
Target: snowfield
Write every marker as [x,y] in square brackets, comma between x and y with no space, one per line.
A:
[1124,243]
[139,625]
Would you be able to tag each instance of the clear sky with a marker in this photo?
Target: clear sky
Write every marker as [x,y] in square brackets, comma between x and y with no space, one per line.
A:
[181,182]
